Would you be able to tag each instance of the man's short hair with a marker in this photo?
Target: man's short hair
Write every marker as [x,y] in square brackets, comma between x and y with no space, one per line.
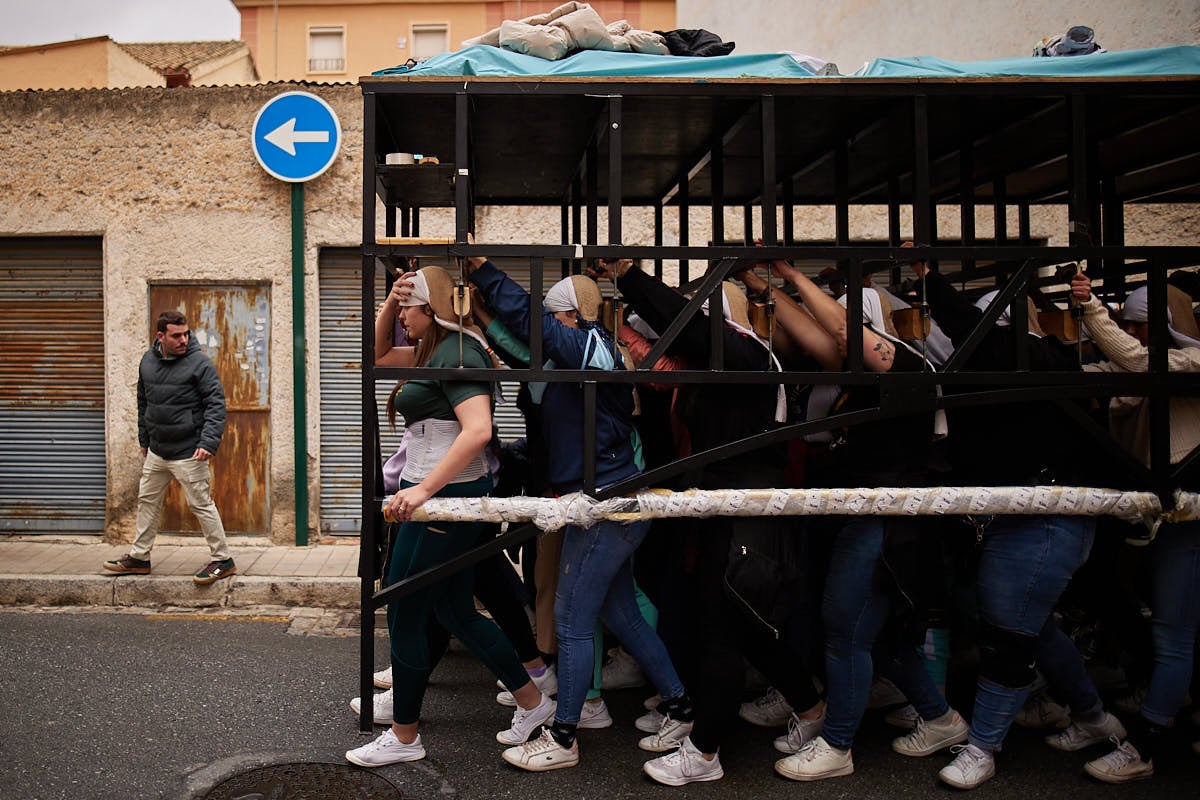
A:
[171,317]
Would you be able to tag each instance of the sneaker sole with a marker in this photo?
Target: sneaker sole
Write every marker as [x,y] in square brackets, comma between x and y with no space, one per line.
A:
[832,773]
[359,762]
[540,767]
[764,723]
[671,780]
[593,725]
[1077,746]
[1108,777]
[658,747]
[124,571]
[381,684]
[506,699]
[644,727]
[533,730]
[931,749]
[957,784]
[376,720]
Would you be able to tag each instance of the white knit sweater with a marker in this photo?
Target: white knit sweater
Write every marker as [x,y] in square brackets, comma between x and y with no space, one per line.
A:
[1129,417]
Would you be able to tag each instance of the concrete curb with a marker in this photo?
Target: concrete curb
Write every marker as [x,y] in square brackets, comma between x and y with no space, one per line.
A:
[146,591]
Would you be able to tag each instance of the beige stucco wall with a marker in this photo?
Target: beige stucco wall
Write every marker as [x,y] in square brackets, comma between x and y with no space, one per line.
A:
[87,64]
[167,176]
[850,32]
[125,71]
[236,68]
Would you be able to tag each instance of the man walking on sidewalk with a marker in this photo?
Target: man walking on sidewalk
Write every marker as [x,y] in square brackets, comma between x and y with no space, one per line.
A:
[181,416]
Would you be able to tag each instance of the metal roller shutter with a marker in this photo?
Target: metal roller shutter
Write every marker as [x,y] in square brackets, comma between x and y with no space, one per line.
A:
[52,372]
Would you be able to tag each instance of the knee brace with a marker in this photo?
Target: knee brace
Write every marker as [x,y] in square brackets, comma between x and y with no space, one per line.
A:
[1007,658]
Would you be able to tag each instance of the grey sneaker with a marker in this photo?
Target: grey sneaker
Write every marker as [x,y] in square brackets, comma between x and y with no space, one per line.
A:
[1079,735]
[383,679]
[969,768]
[387,749]
[800,732]
[542,754]
[816,761]
[547,684]
[381,707]
[670,735]
[1040,711]
[526,721]
[595,715]
[621,671]
[685,765]
[929,736]
[769,711]
[1122,765]
[649,722]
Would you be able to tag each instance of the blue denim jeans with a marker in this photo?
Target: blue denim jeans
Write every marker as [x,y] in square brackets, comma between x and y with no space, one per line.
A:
[595,581]
[1026,564]
[855,609]
[1175,620]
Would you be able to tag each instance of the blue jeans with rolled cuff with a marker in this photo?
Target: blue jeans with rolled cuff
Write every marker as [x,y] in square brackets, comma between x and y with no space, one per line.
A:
[1175,619]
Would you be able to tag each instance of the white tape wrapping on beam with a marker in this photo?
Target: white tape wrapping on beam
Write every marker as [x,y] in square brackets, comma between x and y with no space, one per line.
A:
[581,510]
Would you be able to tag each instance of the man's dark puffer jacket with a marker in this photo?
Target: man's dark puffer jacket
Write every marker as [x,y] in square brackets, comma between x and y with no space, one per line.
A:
[181,404]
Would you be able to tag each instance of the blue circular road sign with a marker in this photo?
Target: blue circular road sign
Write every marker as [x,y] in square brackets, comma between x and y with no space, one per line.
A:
[296,136]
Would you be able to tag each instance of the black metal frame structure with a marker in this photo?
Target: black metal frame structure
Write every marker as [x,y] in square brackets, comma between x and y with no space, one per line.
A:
[776,147]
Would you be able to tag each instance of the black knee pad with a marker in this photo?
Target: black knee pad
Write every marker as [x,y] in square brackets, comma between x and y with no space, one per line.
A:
[1007,658]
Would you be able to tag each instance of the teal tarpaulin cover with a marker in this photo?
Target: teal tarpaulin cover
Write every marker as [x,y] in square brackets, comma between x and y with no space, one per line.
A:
[1182,60]
[483,60]
[495,61]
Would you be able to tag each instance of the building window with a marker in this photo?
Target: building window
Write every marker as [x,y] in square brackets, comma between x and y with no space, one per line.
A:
[430,40]
[327,49]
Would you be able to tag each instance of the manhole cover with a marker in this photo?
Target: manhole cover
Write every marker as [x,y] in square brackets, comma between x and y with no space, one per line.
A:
[305,782]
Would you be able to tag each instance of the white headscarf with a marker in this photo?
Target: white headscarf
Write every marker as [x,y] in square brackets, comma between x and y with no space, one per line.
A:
[420,297]
[1137,310]
[561,297]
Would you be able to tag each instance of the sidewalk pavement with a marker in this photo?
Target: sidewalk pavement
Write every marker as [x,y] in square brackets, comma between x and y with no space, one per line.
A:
[68,571]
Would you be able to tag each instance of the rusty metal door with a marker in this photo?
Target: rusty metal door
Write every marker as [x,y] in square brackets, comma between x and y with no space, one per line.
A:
[232,324]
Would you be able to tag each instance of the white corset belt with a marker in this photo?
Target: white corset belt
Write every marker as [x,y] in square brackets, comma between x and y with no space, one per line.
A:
[430,441]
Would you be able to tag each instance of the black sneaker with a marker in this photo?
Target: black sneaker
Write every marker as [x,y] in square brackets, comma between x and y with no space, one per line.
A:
[128,565]
[214,572]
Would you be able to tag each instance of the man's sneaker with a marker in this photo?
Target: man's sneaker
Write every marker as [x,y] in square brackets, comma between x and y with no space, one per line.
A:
[128,565]
[801,731]
[383,678]
[816,761]
[215,571]
[903,717]
[621,671]
[883,693]
[670,735]
[594,715]
[649,722]
[542,754]
[969,768]
[381,707]
[1120,766]
[387,749]
[526,721]
[769,711]
[1040,711]
[929,736]
[685,765]
[547,684]
[1079,735]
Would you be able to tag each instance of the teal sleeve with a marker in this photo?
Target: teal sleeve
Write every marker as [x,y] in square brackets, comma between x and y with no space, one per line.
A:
[507,342]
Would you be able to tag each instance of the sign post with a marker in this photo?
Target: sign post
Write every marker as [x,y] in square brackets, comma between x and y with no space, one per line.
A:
[296,136]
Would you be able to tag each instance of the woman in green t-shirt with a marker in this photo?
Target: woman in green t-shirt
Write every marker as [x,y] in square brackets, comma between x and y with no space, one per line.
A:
[450,424]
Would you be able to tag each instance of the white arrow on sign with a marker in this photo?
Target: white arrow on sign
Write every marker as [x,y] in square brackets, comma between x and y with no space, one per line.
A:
[285,136]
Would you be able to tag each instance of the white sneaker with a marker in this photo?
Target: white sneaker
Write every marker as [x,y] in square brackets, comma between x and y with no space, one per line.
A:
[884,693]
[381,707]
[1122,765]
[652,702]
[769,711]
[526,721]
[547,684]
[387,749]
[649,722]
[1040,711]
[542,754]
[621,671]
[903,717]
[969,768]
[801,731]
[685,765]
[383,678]
[929,736]
[670,735]
[595,715]
[816,761]
[1079,735]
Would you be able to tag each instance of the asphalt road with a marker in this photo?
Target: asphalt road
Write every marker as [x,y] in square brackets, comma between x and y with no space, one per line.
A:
[100,705]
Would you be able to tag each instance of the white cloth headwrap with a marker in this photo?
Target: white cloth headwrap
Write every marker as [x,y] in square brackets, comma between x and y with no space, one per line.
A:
[781,393]
[561,297]
[640,325]
[1137,310]
[1005,318]
[420,297]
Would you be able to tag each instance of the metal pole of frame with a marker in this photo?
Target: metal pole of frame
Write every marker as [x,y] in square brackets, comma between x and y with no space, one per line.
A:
[614,170]
[683,227]
[770,231]
[299,373]
[369,532]
[462,156]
